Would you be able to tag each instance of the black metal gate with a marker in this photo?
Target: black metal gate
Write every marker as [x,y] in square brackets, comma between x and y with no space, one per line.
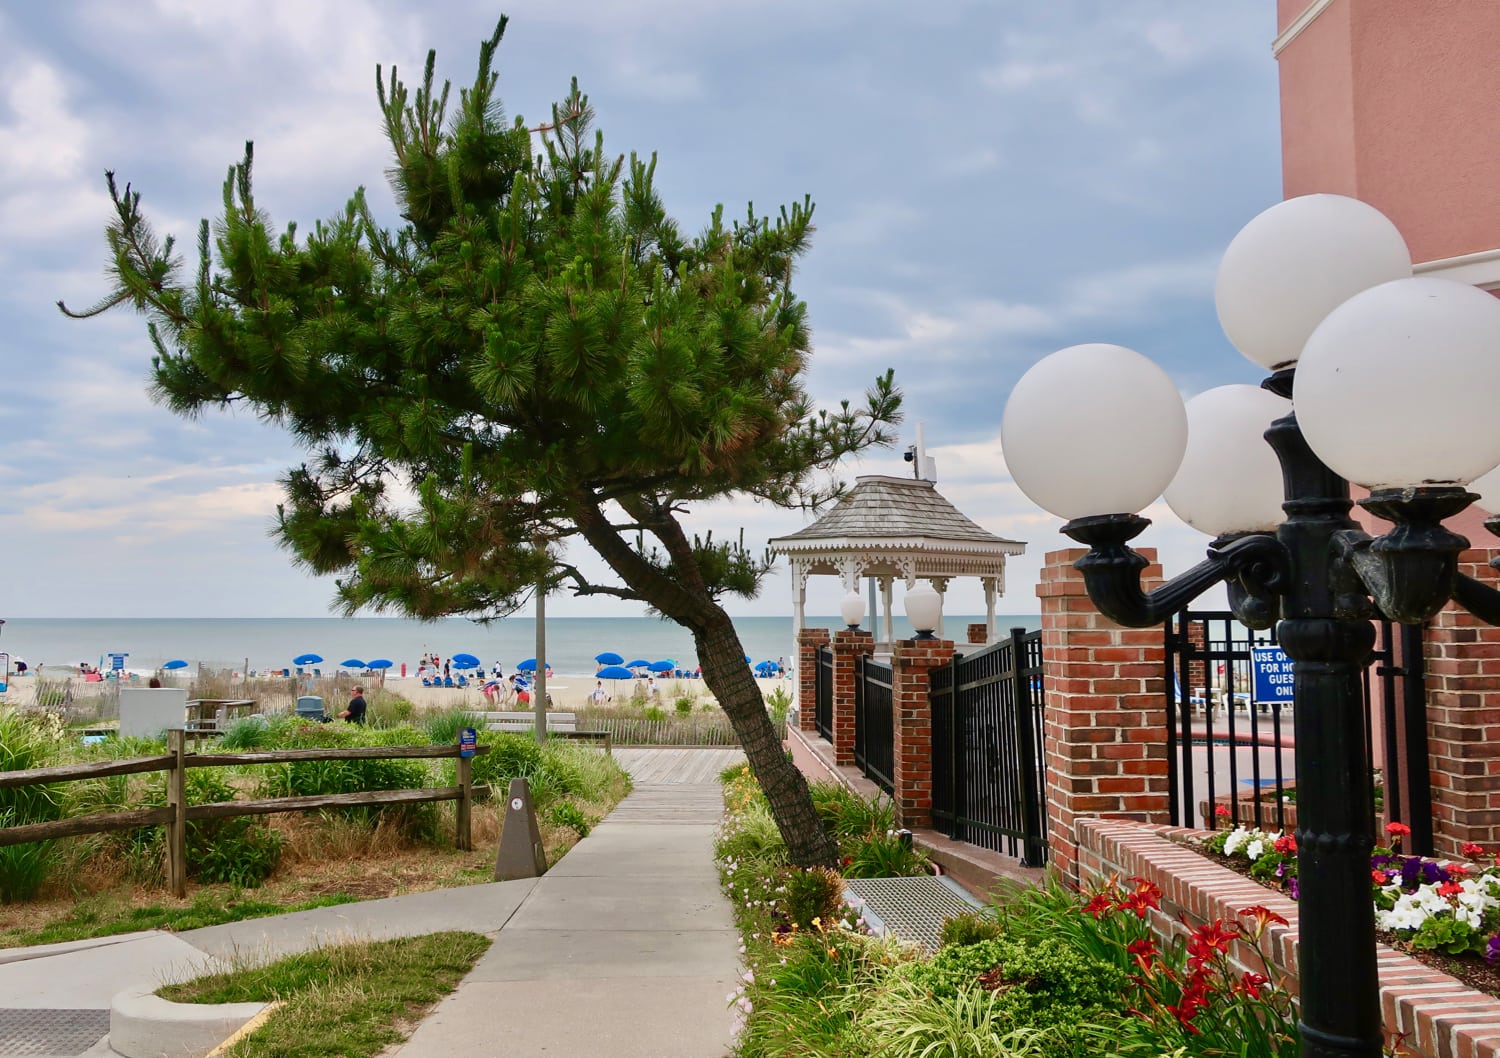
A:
[823,687]
[1231,756]
[988,771]
[874,722]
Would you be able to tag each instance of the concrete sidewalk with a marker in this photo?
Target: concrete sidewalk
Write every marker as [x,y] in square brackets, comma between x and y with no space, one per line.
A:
[626,948]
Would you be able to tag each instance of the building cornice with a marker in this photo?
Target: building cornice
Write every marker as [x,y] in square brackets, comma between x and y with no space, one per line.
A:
[1295,27]
[1481,269]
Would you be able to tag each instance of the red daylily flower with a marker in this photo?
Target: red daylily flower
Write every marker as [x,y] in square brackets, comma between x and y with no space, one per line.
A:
[1099,906]
[1249,985]
[1206,941]
[1263,916]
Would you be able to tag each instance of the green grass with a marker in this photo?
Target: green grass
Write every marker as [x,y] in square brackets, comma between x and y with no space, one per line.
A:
[347,1001]
[101,919]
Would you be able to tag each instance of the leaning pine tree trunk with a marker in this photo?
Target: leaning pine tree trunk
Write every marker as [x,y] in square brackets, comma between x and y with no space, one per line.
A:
[724,671]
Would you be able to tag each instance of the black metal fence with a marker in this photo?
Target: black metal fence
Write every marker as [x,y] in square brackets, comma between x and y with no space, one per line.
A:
[1232,756]
[874,722]
[823,715]
[988,769]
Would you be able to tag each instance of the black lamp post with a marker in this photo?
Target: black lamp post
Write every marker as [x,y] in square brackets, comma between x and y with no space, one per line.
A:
[1320,278]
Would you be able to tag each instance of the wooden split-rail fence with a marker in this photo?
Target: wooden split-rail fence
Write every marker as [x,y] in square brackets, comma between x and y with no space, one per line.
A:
[175,814]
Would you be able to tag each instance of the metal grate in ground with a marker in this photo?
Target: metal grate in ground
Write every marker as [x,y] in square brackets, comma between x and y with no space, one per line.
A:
[50,1032]
[912,909]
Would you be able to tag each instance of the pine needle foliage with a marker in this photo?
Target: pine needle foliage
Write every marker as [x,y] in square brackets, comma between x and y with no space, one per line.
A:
[536,353]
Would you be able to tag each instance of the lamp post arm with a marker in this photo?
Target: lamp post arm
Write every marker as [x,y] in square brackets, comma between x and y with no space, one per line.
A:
[1112,570]
[1478,598]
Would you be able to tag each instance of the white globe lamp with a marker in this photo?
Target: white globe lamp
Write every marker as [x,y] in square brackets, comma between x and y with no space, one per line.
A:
[1396,388]
[1092,430]
[1230,479]
[924,609]
[852,610]
[1294,264]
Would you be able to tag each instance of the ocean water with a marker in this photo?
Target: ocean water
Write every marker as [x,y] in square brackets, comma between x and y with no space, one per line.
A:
[262,643]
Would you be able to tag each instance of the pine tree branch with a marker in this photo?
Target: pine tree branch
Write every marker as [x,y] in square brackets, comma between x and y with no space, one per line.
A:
[582,585]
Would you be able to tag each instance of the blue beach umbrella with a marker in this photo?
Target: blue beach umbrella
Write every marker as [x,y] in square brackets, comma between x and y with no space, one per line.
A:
[529,665]
[747,659]
[615,672]
[176,664]
[308,659]
[665,665]
[609,657]
[465,661]
[638,663]
[353,663]
[379,663]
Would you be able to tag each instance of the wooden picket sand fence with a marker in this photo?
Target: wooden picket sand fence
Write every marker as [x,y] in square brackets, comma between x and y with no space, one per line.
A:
[175,814]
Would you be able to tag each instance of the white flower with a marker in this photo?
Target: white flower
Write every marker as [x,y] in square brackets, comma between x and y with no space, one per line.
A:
[1254,849]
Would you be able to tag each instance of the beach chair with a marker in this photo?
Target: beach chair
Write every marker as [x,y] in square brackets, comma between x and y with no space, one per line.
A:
[1197,701]
[447,681]
[463,681]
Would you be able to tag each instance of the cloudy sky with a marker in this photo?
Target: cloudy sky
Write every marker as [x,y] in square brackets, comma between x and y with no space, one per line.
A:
[993,181]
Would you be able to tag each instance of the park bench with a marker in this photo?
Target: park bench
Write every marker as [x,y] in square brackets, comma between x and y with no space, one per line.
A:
[561,725]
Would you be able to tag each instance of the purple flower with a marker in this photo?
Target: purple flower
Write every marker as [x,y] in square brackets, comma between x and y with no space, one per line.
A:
[1492,949]
[1381,862]
[1292,888]
[1411,872]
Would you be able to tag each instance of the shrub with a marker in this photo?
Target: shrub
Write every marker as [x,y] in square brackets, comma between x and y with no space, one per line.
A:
[1042,984]
[848,815]
[655,712]
[778,702]
[962,930]
[815,893]
[751,838]
[567,814]
[883,856]
[25,744]
[443,725]
[908,1022]
[246,733]
[684,706]
[305,778]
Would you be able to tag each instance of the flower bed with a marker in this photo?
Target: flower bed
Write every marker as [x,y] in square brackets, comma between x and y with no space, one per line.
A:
[1431,908]
[1048,972]
[1432,1013]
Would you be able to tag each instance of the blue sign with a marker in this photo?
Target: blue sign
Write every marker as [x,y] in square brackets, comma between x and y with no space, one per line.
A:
[117,662]
[468,741]
[1272,670]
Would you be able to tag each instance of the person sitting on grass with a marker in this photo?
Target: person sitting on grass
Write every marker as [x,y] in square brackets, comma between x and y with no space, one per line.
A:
[355,712]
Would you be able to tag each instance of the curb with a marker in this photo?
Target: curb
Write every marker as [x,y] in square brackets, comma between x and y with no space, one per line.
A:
[144,1025]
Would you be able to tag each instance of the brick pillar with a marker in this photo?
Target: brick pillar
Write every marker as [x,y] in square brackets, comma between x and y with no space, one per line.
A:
[1106,714]
[979,634]
[1463,719]
[808,642]
[911,707]
[847,645]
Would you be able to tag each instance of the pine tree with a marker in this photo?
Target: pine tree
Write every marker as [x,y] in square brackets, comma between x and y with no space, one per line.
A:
[535,354]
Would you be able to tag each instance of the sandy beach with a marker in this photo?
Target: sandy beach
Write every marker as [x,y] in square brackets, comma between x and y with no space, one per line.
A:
[568,692]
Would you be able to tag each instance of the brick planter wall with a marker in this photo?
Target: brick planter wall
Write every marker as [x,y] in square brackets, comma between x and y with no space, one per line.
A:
[1106,709]
[911,704]
[847,645]
[1463,719]
[1440,1015]
[808,642]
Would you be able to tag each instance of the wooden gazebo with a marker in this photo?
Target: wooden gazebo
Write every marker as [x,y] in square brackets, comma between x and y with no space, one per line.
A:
[889,527]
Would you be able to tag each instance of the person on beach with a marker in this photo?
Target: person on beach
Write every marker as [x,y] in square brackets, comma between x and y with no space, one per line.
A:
[600,695]
[355,712]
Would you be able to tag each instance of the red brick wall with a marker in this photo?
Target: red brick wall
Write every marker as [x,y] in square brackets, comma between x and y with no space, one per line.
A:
[847,645]
[1106,714]
[911,703]
[978,634]
[1463,719]
[808,642]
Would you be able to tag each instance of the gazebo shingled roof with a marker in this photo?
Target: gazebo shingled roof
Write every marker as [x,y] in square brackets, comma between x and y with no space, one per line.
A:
[890,527]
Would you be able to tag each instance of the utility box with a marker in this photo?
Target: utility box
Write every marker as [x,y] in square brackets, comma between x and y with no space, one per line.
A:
[145,712]
[310,707]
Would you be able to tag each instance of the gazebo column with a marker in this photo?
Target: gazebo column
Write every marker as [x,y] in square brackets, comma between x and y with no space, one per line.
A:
[940,585]
[799,599]
[990,586]
[890,618]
